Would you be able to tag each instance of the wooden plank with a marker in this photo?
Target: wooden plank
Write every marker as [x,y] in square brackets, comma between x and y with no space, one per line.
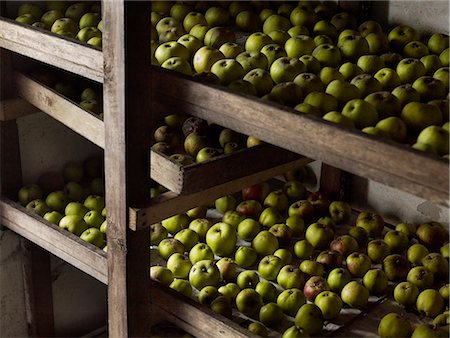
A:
[170,203]
[11,109]
[193,317]
[55,50]
[196,177]
[334,182]
[67,246]
[369,156]
[60,108]
[38,286]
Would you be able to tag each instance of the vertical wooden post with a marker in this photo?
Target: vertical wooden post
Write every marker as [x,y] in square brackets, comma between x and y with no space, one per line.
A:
[127,118]
[334,182]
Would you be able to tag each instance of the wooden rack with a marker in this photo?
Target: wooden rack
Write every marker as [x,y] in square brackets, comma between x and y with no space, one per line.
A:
[132,90]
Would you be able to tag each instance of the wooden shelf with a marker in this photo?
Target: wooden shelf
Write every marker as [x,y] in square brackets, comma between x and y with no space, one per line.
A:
[60,108]
[55,50]
[169,203]
[368,156]
[63,244]
[197,177]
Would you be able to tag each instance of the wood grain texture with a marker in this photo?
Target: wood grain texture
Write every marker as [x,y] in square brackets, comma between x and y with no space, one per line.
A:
[196,177]
[369,156]
[60,108]
[193,317]
[52,49]
[52,238]
[11,109]
[170,203]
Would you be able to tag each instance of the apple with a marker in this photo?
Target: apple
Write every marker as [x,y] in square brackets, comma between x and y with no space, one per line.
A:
[284,254]
[405,94]
[204,273]
[338,278]
[309,318]
[187,237]
[416,253]
[221,238]
[299,45]
[252,60]
[429,88]
[261,80]
[169,246]
[436,264]
[290,301]
[345,245]
[431,62]
[285,69]
[430,303]
[295,190]
[249,208]
[429,330]
[327,55]
[329,259]
[227,70]
[279,37]
[271,314]
[415,49]
[329,303]
[287,93]
[255,327]
[29,8]
[349,70]
[444,292]
[229,290]
[225,203]
[276,22]
[303,249]
[230,49]
[248,229]
[294,331]
[177,64]
[432,234]
[367,84]
[75,208]
[270,266]
[302,208]
[320,202]
[358,264]
[394,325]
[179,11]
[445,249]
[444,57]
[405,293]
[436,137]
[256,192]
[340,211]
[324,27]
[368,27]
[400,35]
[421,277]
[157,233]
[207,153]
[375,281]
[179,264]
[309,82]
[208,294]
[353,46]
[192,19]
[199,31]
[410,69]
[362,113]
[249,302]
[205,58]
[277,200]
[53,217]
[48,18]
[245,256]
[199,252]
[217,16]
[256,41]
[267,290]
[248,279]
[182,286]
[325,102]
[27,18]
[396,267]
[29,193]
[312,268]
[73,223]
[93,219]
[248,21]
[227,268]
[265,243]
[176,223]
[355,295]
[371,222]
[161,274]
[437,43]
[377,250]
[269,217]
[201,227]
[319,235]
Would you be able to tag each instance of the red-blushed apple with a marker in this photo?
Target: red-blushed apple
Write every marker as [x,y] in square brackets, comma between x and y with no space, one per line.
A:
[344,244]
[329,259]
[314,286]
[358,264]
[256,192]
[249,208]
[432,234]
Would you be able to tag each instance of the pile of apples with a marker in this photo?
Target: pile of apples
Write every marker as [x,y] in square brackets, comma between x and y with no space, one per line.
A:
[76,20]
[189,139]
[89,97]
[316,58]
[290,260]
[73,200]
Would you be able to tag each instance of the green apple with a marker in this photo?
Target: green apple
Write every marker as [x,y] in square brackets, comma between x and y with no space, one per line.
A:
[271,314]
[87,33]
[229,290]
[353,46]
[273,52]
[429,88]
[437,264]
[30,8]
[416,253]
[311,63]
[336,117]
[276,22]
[397,241]
[200,226]
[348,71]
[170,49]
[192,19]
[368,27]
[93,219]
[329,303]
[338,278]
[225,203]
[161,274]
[199,252]
[421,277]
[269,217]
[248,21]
[290,277]
[175,223]
[261,80]
[27,18]
[89,20]
[312,268]
[169,246]
[199,31]
[370,63]
[303,16]
[269,267]
[309,318]
[230,49]
[256,41]
[309,82]
[190,42]
[377,250]
[179,11]
[265,243]
[208,294]
[205,58]
[247,279]
[285,69]
[65,24]
[371,222]
[431,63]
[303,208]
[410,69]
[329,74]
[299,45]
[327,55]
[157,233]
[343,91]
[405,94]
[358,264]
[29,193]
[279,37]
[430,303]
[204,273]
[294,332]
[432,234]
[303,249]
[221,238]
[378,43]
[405,293]
[177,64]
[73,223]
[340,211]
[437,43]
[245,256]
[290,301]
[429,330]
[325,102]
[400,35]
[444,250]
[415,49]
[323,39]
[355,295]
[394,325]
[248,229]
[53,217]
[182,286]
[49,18]
[444,57]
[319,235]
[344,20]
[362,113]
[388,79]
[179,264]
[324,27]
[418,116]
[187,237]
[167,23]
[227,70]
[376,282]
[217,16]
[75,208]
[217,36]
[249,302]
[396,267]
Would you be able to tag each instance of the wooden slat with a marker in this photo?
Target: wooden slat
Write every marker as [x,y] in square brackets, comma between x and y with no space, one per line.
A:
[193,317]
[200,176]
[60,108]
[52,49]
[52,238]
[170,203]
[11,109]
[365,155]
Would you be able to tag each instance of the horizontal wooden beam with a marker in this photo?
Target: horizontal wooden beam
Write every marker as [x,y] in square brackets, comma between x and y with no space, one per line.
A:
[60,108]
[63,244]
[193,317]
[197,177]
[170,203]
[55,50]
[381,160]
[11,109]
